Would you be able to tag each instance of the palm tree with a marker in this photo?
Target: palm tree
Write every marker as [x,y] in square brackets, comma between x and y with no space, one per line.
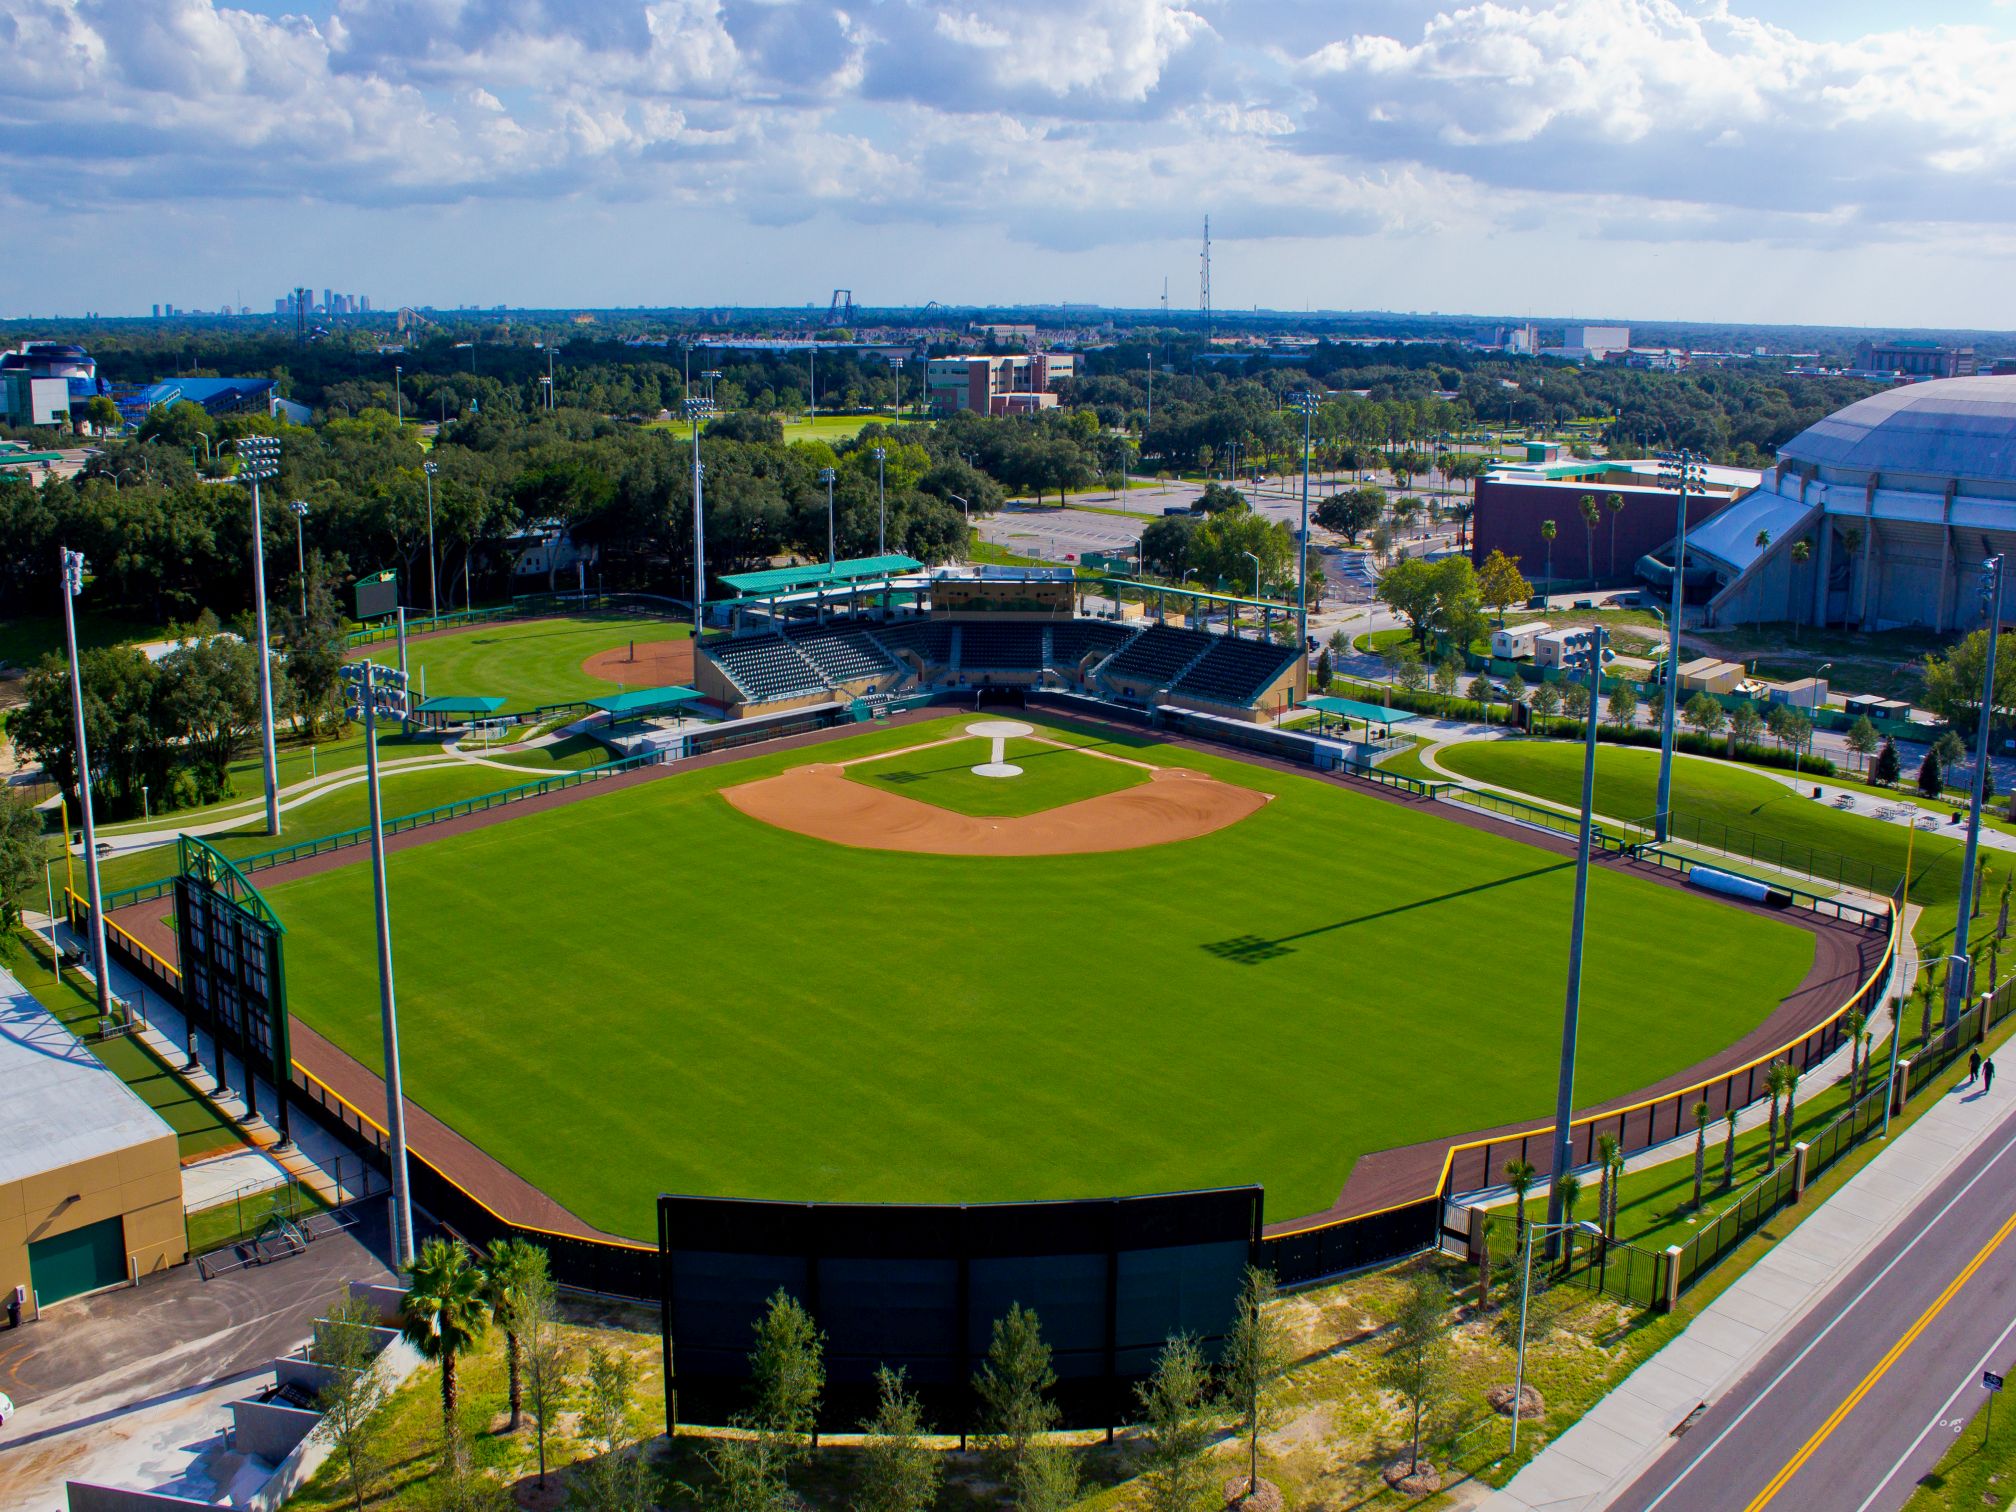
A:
[1569,1187]
[1609,1157]
[509,1267]
[1856,1020]
[1615,504]
[1729,1150]
[443,1315]
[1928,994]
[1776,1088]
[1700,1149]
[1791,1090]
[1851,541]
[1763,540]
[1548,530]
[1520,1176]
[1802,553]
[1590,515]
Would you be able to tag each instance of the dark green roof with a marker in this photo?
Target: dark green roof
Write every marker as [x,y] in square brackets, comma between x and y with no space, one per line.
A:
[818,575]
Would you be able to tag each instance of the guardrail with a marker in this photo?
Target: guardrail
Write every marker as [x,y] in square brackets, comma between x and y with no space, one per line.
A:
[1604,836]
[1420,787]
[1848,912]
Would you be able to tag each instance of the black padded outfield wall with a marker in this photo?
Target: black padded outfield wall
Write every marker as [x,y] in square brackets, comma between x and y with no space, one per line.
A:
[919,1287]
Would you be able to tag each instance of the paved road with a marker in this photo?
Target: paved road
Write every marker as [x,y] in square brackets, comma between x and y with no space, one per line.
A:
[1863,1396]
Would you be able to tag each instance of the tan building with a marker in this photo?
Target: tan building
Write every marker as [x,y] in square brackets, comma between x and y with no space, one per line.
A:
[90,1179]
[1710,674]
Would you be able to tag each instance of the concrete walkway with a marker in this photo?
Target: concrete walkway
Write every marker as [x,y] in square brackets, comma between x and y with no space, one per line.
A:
[1633,1425]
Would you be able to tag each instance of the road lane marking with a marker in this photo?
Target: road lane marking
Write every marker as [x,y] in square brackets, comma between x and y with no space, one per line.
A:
[1882,1367]
[1941,1420]
[1814,1343]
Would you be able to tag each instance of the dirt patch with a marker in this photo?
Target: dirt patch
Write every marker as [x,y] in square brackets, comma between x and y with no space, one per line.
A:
[816,800]
[644,664]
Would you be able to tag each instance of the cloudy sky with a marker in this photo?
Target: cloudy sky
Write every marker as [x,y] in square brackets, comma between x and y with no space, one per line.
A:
[1837,161]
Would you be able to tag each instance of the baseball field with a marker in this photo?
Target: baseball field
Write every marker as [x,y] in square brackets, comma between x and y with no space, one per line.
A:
[653,989]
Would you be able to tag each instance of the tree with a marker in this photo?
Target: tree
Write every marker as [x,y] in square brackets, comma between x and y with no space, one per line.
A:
[1950,749]
[1548,530]
[1802,553]
[313,644]
[509,1268]
[1575,699]
[1324,674]
[1863,739]
[788,1373]
[22,849]
[1796,730]
[1448,676]
[1856,1020]
[747,1475]
[1622,705]
[1728,1149]
[1928,998]
[537,1309]
[1703,714]
[899,1471]
[1045,1479]
[1175,1414]
[346,1341]
[1351,513]
[1256,1352]
[1953,682]
[209,702]
[617,1479]
[1547,699]
[1409,670]
[1744,725]
[1520,1176]
[1482,692]
[442,1316]
[1614,503]
[1417,1366]
[1931,780]
[1609,1155]
[1591,513]
[1500,584]
[1791,1092]
[1217,498]
[1775,1084]
[1568,1187]
[1889,766]
[1011,1387]
[1700,1148]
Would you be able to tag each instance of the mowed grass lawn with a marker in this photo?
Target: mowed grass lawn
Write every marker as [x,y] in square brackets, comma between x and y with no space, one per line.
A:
[649,991]
[1051,777]
[1627,786]
[526,663]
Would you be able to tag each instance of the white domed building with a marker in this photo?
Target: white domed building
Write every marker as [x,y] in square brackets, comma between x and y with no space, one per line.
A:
[1900,497]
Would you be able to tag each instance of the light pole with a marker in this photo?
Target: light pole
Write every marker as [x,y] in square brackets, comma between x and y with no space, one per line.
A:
[551,403]
[371,688]
[398,393]
[896,372]
[1307,404]
[1551,1230]
[1564,1096]
[1682,470]
[826,476]
[1960,979]
[710,374]
[696,411]
[72,564]
[258,459]
[428,469]
[881,454]
[1233,615]
[300,509]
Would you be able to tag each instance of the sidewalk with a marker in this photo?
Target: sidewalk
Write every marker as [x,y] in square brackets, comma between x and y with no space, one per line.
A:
[1633,1425]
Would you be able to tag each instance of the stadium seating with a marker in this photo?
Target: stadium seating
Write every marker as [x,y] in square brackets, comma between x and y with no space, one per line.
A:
[984,646]
[843,655]
[767,667]
[1235,671]
[1159,653]
[929,639]
[1070,643]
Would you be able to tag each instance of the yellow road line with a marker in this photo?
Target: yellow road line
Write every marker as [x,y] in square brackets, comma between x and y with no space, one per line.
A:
[1882,1367]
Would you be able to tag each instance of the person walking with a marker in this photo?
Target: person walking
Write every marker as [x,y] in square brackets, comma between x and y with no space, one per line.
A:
[1988,1076]
[1973,1066]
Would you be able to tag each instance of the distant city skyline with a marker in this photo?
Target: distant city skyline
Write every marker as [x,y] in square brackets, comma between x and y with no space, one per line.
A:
[1766,161]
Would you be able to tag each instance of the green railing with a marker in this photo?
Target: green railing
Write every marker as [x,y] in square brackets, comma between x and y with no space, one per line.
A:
[1607,837]
[195,858]
[457,619]
[1769,850]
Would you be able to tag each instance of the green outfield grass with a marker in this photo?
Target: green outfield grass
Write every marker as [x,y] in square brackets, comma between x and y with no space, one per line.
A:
[1627,786]
[524,662]
[1051,777]
[677,997]
[570,754]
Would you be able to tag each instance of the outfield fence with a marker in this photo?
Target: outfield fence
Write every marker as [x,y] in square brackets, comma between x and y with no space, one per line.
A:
[522,606]
[1812,861]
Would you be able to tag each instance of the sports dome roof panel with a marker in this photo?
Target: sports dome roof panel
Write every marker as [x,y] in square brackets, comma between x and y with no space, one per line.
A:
[1961,428]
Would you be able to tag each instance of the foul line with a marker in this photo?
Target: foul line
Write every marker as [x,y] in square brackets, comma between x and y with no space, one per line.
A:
[1882,1367]
[1840,1317]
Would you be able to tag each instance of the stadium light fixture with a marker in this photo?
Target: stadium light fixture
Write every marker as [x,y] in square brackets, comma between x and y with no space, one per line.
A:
[1550,1230]
[1960,979]
[1590,656]
[826,476]
[1686,471]
[372,690]
[258,460]
[72,568]
[881,455]
[696,411]
[300,509]
[1307,404]
[428,470]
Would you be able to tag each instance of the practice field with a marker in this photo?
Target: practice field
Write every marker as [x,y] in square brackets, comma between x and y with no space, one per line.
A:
[648,990]
[1052,775]
[526,663]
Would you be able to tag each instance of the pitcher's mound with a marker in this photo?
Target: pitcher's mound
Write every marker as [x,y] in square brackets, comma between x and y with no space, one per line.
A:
[651,664]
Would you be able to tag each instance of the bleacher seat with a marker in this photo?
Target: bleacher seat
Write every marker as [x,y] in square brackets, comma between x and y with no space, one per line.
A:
[982,645]
[843,654]
[1159,652]
[766,667]
[1236,671]
[931,640]
[1071,643]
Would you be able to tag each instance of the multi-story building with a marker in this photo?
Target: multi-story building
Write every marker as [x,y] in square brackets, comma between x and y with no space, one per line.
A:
[1917,359]
[997,385]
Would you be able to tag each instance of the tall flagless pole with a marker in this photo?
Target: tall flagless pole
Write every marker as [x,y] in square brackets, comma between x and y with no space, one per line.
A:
[1680,469]
[696,411]
[259,459]
[73,584]
[1307,404]
[1960,979]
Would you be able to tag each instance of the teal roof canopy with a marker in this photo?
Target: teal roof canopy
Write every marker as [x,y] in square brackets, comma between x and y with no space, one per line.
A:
[451,704]
[817,575]
[1351,708]
[645,700]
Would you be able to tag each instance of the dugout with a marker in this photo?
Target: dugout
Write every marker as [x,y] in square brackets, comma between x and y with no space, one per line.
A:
[918,1287]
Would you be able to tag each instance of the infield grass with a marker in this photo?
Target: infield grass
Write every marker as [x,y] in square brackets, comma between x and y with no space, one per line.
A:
[526,663]
[1052,776]
[648,991]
